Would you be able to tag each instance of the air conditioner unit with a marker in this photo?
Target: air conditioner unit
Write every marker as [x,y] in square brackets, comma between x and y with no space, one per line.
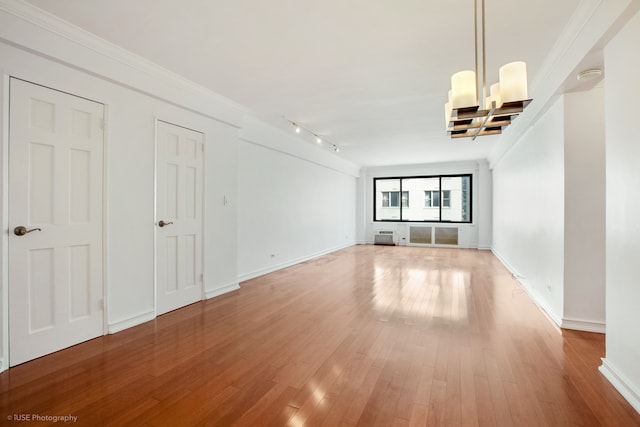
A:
[385,238]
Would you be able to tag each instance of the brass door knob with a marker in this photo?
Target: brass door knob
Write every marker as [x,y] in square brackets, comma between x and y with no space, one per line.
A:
[164,224]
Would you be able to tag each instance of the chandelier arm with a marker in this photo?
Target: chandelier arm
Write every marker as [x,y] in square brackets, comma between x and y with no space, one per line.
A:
[490,114]
[475,46]
[481,100]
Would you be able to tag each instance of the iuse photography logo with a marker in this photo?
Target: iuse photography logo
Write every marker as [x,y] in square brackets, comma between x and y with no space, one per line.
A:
[42,417]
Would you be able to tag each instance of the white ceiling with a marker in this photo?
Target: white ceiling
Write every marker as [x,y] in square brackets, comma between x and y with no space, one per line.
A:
[369,75]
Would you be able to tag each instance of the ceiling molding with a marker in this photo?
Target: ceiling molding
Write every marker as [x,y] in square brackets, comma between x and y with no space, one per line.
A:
[563,46]
[256,131]
[78,48]
[589,24]
[371,118]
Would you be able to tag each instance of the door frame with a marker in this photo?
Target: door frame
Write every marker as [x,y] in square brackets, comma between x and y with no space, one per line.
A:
[4,206]
[156,119]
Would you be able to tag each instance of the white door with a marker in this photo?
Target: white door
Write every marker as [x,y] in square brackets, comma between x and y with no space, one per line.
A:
[178,217]
[55,221]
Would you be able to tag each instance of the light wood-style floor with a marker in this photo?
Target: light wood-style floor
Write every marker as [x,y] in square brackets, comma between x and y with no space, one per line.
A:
[367,336]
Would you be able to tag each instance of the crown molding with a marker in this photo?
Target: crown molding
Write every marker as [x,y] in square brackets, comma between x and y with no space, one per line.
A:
[258,132]
[160,82]
[587,27]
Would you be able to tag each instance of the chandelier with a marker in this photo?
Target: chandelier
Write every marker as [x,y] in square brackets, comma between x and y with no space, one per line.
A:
[468,115]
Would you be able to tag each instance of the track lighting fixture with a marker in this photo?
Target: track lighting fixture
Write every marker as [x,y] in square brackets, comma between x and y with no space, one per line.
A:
[298,129]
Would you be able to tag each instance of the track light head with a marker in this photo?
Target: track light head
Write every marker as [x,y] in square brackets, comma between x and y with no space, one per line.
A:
[329,145]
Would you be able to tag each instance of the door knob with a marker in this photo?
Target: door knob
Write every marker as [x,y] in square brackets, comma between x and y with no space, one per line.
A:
[164,224]
[22,230]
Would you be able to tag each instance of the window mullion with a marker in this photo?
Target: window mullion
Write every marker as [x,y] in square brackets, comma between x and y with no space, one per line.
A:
[440,204]
[400,199]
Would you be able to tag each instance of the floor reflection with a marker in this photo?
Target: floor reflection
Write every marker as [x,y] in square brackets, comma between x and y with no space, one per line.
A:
[421,288]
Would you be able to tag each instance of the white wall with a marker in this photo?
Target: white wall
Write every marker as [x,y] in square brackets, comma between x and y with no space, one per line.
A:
[485,208]
[221,209]
[528,210]
[361,208]
[130,149]
[298,201]
[291,207]
[584,206]
[549,211]
[130,152]
[468,233]
[622,61]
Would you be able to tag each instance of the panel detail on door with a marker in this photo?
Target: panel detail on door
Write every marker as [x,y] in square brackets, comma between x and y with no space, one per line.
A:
[41,179]
[79,258]
[55,217]
[42,115]
[171,265]
[179,217]
[79,186]
[41,292]
[190,264]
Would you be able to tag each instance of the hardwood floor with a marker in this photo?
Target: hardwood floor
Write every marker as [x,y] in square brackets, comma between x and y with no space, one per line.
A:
[367,336]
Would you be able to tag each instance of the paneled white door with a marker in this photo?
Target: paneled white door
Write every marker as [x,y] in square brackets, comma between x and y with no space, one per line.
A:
[178,217]
[55,221]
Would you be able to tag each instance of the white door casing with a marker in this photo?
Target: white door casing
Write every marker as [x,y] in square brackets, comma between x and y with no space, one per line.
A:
[56,190]
[179,205]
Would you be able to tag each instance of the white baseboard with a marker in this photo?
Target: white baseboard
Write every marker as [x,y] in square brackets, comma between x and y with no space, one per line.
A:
[564,323]
[484,248]
[584,325]
[150,315]
[131,322]
[504,262]
[541,303]
[2,365]
[220,291]
[621,383]
[271,269]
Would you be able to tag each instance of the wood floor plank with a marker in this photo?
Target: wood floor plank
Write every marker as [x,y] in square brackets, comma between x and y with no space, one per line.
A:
[368,336]
[468,403]
[419,416]
[437,404]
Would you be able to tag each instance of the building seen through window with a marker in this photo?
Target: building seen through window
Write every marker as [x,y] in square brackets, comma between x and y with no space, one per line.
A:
[424,198]
[390,199]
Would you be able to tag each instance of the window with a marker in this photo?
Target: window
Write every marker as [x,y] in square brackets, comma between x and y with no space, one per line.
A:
[446,198]
[387,201]
[443,198]
[394,199]
[431,199]
[405,199]
[390,199]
